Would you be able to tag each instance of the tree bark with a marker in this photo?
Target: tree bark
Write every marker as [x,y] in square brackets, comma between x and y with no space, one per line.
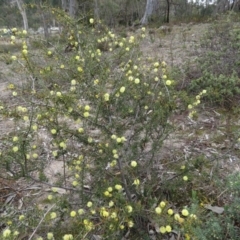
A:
[168,11]
[23,13]
[151,4]
[64,5]
[73,6]
[43,18]
[96,10]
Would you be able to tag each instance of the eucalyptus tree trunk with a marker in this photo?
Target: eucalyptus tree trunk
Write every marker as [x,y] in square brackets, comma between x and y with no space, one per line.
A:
[151,4]
[64,5]
[235,5]
[70,6]
[73,6]
[23,13]
[43,15]
[96,9]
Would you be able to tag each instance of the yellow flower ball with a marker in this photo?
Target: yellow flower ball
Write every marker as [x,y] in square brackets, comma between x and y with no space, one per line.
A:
[49,236]
[113,163]
[185,212]
[133,163]
[89,204]
[16,233]
[91,20]
[53,131]
[34,127]
[111,204]
[162,230]
[25,52]
[87,108]
[122,90]
[123,139]
[163,64]
[118,187]
[168,82]
[114,137]
[59,94]
[80,130]
[121,226]
[15,149]
[162,204]
[80,69]
[74,183]
[49,53]
[63,145]
[193,216]
[176,216]
[185,178]
[137,81]
[26,118]
[130,78]
[114,215]
[106,193]
[73,82]
[6,233]
[73,213]
[129,208]
[15,139]
[50,197]
[11,86]
[68,237]
[119,140]
[170,211]
[136,182]
[158,210]
[106,97]
[55,153]
[130,224]
[81,211]
[53,215]
[13,58]
[86,114]
[35,155]
[14,93]
[105,213]
[21,217]
[168,228]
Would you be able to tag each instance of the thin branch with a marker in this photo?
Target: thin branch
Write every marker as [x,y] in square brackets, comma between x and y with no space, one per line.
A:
[41,221]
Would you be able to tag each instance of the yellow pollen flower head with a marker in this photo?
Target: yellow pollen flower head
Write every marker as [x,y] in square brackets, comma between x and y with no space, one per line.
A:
[133,163]
[158,210]
[185,212]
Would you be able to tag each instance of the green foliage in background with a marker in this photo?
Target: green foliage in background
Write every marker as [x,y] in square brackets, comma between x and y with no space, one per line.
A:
[218,63]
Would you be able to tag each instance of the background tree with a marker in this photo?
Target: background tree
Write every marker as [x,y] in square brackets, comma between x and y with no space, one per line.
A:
[149,10]
[22,10]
